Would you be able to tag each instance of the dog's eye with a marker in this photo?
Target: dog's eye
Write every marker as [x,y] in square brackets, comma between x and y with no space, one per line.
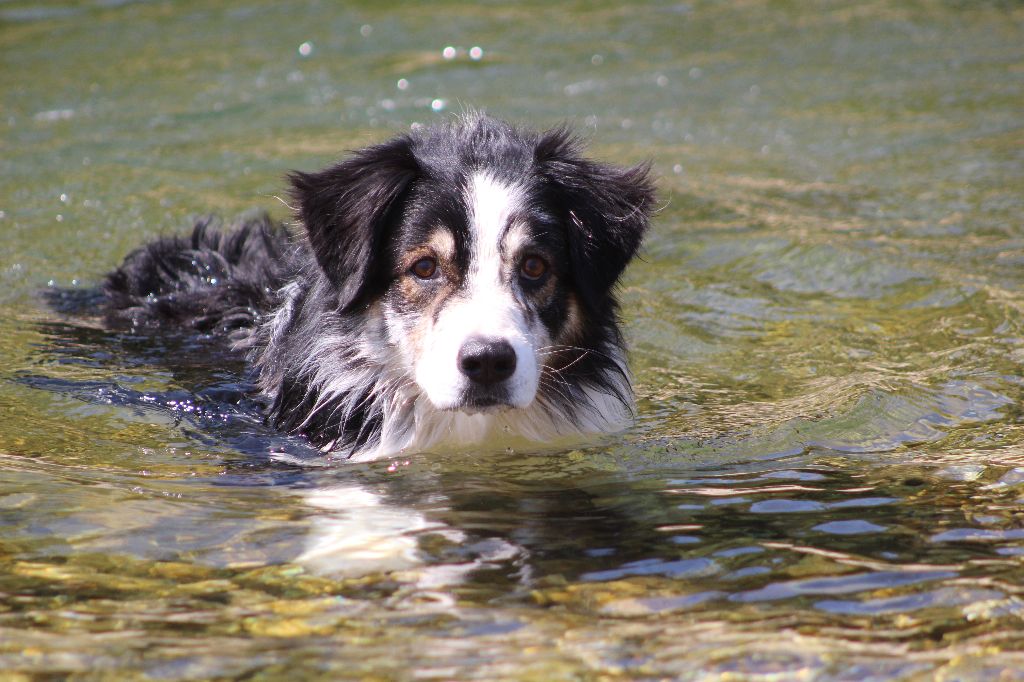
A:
[533,268]
[424,268]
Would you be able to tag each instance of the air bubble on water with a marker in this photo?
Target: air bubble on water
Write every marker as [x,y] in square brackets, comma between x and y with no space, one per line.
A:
[661,80]
[63,198]
[437,104]
[677,169]
[476,53]
[365,30]
[402,84]
[696,73]
[597,60]
[306,49]
[448,52]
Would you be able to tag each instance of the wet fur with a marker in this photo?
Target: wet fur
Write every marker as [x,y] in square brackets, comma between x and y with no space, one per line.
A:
[333,326]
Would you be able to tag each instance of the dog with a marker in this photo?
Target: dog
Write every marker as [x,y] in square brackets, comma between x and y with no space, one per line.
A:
[451,287]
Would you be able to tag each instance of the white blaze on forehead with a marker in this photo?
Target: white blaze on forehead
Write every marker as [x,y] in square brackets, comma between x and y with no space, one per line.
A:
[487,304]
[492,204]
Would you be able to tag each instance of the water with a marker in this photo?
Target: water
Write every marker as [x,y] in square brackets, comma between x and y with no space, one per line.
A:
[826,476]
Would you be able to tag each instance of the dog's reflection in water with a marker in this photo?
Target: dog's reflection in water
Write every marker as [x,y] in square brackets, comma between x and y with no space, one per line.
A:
[356,532]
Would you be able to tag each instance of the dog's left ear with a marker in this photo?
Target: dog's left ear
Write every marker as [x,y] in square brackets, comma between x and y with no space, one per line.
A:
[606,212]
[348,208]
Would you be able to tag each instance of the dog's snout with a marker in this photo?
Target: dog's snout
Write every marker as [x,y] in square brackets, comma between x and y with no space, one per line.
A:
[487,361]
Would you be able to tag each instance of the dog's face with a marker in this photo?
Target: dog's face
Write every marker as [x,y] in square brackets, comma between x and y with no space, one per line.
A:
[489,253]
[480,291]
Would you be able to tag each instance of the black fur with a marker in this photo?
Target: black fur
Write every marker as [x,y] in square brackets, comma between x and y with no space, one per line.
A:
[302,307]
[213,280]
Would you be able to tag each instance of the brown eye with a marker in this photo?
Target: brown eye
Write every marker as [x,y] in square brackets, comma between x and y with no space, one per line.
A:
[424,268]
[533,268]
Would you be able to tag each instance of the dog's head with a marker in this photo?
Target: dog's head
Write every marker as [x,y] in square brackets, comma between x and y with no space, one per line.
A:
[491,253]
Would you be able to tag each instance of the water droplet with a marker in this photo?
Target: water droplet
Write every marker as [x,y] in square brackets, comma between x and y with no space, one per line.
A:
[437,104]
[306,49]
[63,198]
[677,169]
[402,84]
[597,60]
[60,218]
[365,30]
[476,53]
[448,52]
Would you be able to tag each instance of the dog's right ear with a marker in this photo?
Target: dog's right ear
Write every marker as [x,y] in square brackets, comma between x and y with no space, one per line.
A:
[347,208]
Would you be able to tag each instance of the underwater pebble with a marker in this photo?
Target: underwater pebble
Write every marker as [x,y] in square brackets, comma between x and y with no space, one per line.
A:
[651,605]
[944,597]
[672,569]
[962,472]
[785,506]
[1012,477]
[848,527]
[977,535]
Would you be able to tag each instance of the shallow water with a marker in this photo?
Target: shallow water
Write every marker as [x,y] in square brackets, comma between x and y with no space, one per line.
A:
[827,473]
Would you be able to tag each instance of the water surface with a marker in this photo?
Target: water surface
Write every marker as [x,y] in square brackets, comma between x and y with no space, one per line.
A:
[826,475]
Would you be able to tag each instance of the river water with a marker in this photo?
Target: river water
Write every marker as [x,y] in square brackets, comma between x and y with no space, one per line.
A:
[826,477]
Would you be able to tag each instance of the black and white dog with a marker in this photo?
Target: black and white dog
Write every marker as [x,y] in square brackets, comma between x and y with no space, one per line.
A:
[452,286]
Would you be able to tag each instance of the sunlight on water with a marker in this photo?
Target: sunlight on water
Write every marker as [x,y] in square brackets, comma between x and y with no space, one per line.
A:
[825,476]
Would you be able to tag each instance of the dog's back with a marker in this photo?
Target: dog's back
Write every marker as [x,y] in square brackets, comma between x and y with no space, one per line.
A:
[212,280]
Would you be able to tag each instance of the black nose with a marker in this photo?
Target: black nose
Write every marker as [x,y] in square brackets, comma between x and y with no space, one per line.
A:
[487,361]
